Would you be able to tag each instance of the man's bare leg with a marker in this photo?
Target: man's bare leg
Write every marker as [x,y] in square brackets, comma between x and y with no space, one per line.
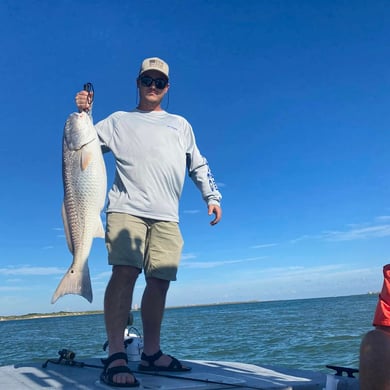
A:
[152,311]
[117,304]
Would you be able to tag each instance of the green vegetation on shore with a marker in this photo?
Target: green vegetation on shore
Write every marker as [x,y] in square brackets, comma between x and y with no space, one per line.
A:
[30,316]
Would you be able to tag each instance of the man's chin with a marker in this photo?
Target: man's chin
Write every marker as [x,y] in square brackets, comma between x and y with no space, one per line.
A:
[153,99]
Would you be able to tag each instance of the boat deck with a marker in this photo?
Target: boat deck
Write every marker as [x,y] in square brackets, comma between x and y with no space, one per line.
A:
[204,375]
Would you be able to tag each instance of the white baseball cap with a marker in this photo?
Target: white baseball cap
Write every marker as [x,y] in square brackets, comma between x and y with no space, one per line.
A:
[154,63]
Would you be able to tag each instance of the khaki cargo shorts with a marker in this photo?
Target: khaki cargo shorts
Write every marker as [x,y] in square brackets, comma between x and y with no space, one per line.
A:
[147,244]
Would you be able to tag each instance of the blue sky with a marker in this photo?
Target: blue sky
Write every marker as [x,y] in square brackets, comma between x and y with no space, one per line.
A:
[289,101]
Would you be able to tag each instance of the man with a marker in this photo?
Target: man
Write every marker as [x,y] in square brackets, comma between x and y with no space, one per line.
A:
[374,367]
[152,151]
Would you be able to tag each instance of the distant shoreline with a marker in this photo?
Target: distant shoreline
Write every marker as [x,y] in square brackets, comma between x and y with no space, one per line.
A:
[31,316]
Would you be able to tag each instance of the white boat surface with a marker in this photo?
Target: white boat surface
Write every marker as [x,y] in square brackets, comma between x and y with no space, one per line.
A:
[71,374]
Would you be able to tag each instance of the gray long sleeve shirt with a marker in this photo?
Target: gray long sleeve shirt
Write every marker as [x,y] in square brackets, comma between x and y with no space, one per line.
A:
[152,151]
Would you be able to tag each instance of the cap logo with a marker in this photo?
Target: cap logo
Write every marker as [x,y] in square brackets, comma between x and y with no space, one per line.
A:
[156,63]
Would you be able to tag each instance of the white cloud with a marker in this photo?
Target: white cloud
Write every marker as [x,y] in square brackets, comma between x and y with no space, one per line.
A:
[186,256]
[304,237]
[11,288]
[383,218]
[191,211]
[36,271]
[280,283]
[358,233]
[354,232]
[213,264]
[263,246]
[103,275]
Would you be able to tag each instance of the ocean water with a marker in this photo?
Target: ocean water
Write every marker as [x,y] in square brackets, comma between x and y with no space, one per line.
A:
[305,334]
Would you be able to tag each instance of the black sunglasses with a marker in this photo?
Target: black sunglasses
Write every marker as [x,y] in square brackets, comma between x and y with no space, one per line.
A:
[148,81]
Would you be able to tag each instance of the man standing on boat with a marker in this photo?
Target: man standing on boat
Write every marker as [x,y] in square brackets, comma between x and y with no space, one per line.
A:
[152,151]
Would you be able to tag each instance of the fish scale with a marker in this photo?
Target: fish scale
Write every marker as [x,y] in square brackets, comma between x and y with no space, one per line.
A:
[85,185]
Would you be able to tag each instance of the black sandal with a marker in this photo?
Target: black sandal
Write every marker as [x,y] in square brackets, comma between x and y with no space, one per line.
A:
[174,366]
[107,376]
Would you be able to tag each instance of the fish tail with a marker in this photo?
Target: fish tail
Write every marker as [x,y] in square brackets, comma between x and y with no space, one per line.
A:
[100,232]
[75,281]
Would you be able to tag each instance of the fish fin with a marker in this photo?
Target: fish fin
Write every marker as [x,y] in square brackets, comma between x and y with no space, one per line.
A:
[75,281]
[86,158]
[100,232]
[66,228]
